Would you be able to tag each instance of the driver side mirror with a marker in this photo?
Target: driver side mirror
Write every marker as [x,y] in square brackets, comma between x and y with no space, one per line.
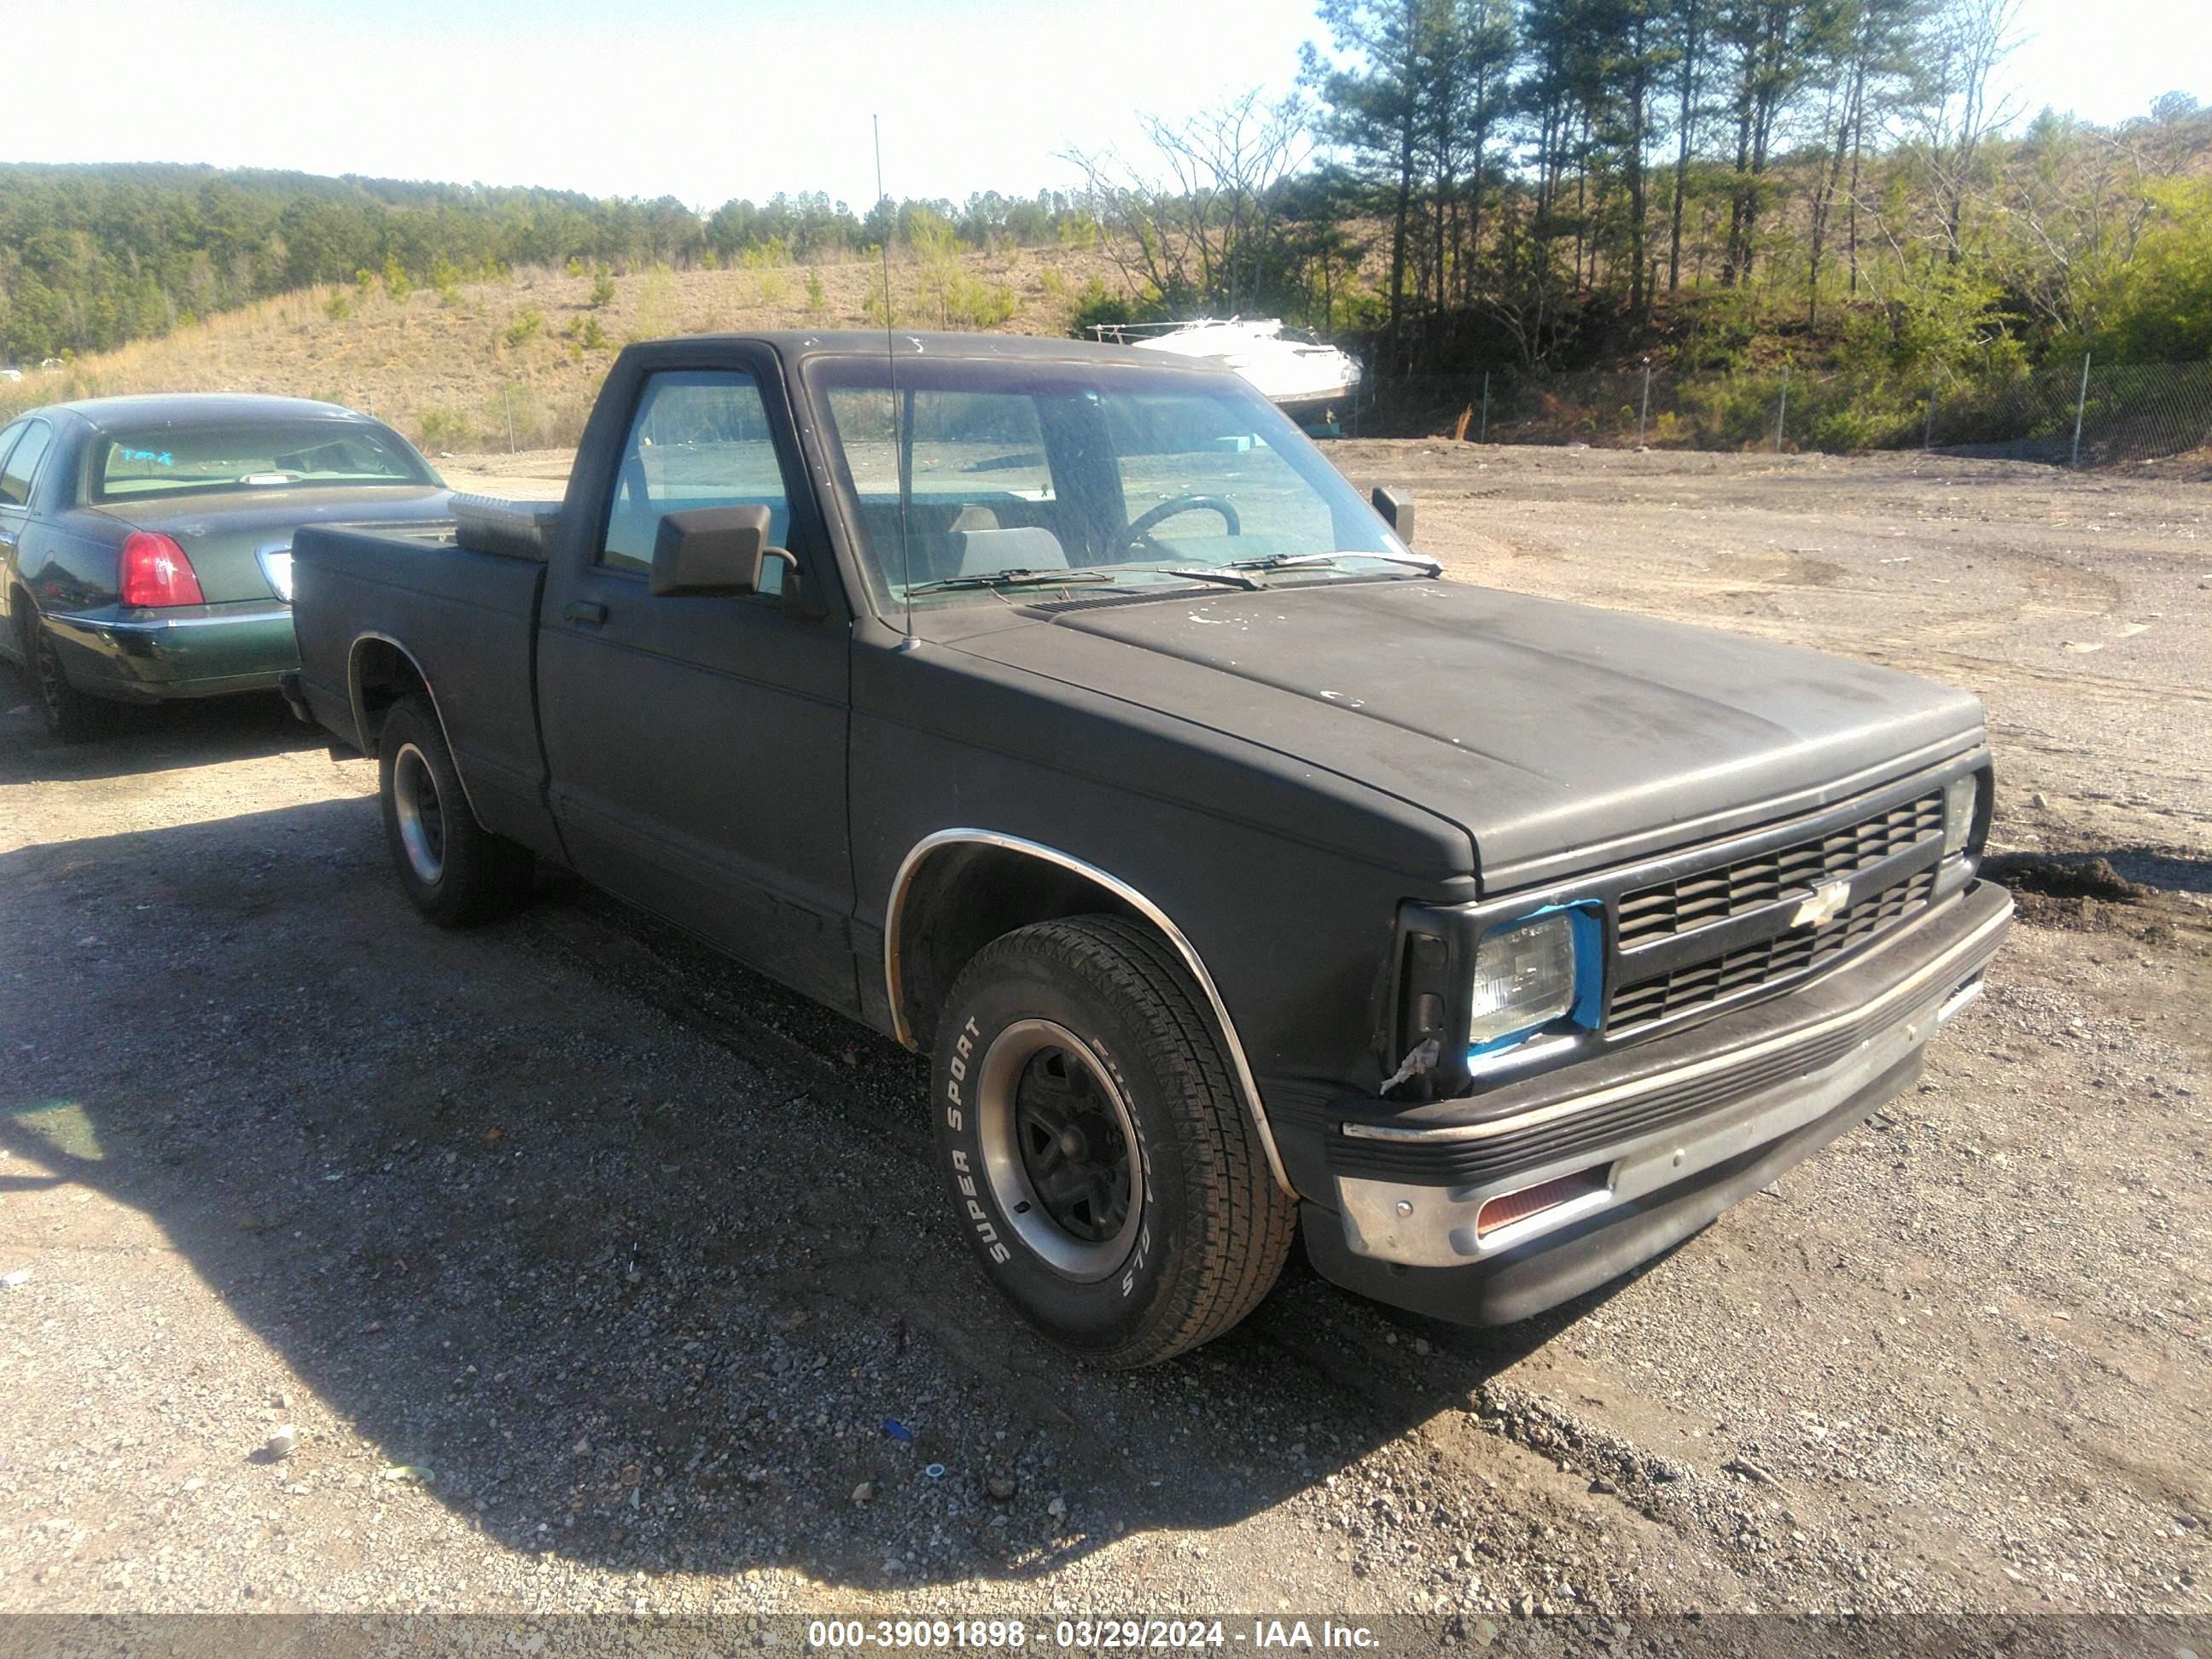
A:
[719,551]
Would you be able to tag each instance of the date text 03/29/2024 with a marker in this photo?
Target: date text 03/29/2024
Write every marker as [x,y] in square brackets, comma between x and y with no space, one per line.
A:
[1164,1634]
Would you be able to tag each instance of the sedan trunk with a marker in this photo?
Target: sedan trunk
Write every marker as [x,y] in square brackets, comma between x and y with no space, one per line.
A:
[225,535]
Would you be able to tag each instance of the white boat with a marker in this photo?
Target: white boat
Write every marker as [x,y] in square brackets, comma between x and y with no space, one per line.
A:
[1295,370]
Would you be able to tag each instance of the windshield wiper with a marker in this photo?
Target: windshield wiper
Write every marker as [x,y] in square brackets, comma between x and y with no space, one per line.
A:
[1229,576]
[1293,560]
[1011,579]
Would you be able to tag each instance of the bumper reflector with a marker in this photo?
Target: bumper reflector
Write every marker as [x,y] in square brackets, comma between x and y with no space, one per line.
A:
[1499,1213]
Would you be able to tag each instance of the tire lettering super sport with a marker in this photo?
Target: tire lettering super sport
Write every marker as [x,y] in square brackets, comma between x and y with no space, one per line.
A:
[962,1051]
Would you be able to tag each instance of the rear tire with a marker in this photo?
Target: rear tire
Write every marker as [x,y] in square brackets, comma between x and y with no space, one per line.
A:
[1107,1176]
[456,872]
[70,716]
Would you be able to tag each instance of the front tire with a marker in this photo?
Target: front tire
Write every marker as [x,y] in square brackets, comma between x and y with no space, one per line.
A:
[1107,1176]
[456,872]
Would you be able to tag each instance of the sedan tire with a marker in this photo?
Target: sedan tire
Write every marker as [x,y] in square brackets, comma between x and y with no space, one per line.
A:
[70,716]
[1101,1164]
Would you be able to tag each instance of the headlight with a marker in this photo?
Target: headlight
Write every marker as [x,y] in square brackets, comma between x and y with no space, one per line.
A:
[1524,977]
[1960,796]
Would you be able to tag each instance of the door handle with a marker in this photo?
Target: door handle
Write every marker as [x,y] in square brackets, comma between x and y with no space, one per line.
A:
[590,612]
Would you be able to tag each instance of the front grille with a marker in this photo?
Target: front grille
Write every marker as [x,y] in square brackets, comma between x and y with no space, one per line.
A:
[1668,907]
[1768,962]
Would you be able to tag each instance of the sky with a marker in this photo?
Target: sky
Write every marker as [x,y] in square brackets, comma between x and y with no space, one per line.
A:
[708,99]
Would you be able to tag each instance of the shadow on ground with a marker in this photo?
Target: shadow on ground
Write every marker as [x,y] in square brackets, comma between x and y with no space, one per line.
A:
[2121,874]
[641,1254]
[140,738]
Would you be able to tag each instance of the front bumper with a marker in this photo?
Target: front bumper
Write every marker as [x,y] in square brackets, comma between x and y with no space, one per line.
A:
[197,651]
[1662,1137]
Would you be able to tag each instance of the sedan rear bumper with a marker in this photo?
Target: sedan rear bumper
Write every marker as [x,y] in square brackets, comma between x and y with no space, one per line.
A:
[1632,1162]
[198,651]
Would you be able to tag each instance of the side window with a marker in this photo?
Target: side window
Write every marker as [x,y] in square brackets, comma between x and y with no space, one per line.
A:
[700,439]
[22,464]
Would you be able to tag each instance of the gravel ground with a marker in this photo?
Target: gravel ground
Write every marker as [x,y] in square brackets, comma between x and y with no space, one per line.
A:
[594,1273]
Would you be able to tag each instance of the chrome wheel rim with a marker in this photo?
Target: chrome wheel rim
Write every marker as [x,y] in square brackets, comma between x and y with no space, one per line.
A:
[421,816]
[1059,1149]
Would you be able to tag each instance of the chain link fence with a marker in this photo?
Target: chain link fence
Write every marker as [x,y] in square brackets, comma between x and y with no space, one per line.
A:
[2106,415]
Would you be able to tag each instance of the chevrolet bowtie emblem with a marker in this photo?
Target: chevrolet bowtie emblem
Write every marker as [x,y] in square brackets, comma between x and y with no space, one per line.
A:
[1827,900]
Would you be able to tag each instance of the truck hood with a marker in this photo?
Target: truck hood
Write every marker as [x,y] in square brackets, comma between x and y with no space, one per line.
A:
[1558,737]
[223,532]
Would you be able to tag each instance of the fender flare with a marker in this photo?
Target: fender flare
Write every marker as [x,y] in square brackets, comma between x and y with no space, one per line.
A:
[1248,1088]
[358,704]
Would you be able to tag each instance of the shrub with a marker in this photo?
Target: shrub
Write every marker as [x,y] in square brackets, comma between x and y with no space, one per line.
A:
[527,322]
[603,288]
[338,307]
[1095,304]
[593,339]
[395,279]
[975,303]
[775,291]
[442,429]
[656,306]
[818,300]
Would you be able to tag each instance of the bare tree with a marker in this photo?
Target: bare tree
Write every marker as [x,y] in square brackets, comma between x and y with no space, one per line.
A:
[1195,219]
[1958,108]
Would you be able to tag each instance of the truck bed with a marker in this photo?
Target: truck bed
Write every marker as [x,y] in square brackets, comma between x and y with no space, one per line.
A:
[466,620]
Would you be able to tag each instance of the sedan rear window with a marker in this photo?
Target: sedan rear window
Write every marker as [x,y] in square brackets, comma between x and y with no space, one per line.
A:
[176,460]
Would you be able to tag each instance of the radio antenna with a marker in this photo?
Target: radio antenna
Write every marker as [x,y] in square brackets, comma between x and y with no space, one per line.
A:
[902,456]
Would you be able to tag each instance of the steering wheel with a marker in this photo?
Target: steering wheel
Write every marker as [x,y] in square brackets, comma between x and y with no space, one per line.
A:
[1141,527]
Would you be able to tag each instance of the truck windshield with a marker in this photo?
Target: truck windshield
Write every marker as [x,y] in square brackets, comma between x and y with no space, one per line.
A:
[177,460]
[1129,475]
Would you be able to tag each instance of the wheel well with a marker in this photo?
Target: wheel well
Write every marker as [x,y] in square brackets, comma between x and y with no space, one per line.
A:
[382,674]
[963,897]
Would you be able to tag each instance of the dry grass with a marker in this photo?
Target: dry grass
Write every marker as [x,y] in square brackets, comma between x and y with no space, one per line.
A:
[453,371]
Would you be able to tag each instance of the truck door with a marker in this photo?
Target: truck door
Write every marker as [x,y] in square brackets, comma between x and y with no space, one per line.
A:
[697,745]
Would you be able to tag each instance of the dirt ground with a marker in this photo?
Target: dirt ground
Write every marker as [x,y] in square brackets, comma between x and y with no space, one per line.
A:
[596,1274]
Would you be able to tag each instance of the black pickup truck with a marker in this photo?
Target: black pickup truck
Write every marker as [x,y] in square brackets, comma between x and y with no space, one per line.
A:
[1058,709]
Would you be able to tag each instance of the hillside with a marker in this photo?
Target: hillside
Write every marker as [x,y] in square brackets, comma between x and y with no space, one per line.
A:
[453,368]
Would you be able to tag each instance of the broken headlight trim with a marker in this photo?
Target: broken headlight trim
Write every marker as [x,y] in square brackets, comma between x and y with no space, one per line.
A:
[1531,972]
[1961,797]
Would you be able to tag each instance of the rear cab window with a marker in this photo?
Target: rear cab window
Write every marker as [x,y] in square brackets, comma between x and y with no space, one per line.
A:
[700,438]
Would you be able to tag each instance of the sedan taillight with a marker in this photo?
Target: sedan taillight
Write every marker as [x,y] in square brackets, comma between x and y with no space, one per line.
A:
[156,573]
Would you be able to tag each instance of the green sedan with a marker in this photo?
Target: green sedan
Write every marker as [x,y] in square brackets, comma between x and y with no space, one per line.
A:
[146,542]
